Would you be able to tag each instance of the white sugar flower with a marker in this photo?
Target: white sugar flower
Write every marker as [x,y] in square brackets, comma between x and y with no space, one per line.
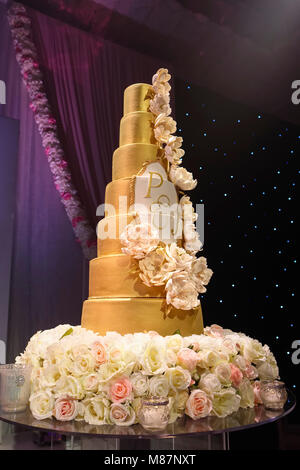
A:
[181,292]
[160,104]
[164,126]
[173,150]
[138,239]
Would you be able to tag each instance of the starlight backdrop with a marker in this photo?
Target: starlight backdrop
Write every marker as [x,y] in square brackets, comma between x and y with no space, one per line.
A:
[245,163]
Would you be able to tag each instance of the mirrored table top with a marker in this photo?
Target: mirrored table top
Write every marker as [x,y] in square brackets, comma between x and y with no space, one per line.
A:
[185,426]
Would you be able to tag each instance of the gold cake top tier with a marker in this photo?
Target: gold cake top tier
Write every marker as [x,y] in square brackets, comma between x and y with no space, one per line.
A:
[137,98]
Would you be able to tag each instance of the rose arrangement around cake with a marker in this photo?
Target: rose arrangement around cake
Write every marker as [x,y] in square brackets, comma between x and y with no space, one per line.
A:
[78,374]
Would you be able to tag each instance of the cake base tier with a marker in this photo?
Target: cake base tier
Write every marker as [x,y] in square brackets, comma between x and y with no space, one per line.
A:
[134,315]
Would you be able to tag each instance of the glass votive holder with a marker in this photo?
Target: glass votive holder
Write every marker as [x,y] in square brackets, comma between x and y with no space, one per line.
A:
[273,394]
[154,413]
[14,387]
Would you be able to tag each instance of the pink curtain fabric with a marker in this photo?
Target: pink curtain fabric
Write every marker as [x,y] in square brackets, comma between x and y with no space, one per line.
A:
[85,77]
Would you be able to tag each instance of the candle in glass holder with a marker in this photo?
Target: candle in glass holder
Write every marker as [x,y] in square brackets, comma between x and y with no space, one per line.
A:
[273,394]
[154,413]
[14,387]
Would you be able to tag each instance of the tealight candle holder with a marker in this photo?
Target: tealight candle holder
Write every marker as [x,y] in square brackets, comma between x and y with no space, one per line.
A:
[273,394]
[154,413]
[14,387]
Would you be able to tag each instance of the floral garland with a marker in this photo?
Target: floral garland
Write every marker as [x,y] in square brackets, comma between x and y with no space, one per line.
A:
[27,58]
[178,269]
[77,374]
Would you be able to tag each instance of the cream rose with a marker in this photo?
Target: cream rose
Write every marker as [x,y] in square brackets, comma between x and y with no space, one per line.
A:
[96,410]
[173,150]
[140,384]
[174,342]
[182,178]
[179,378]
[200,273]
[156,268]
[159,386]
[181,292]
[160,81]
[90,382]
[154,358]
[268,370]
[253,350]
[41,404]
[65,409]
[122,415]
[223,372]
[179,256]
[225,402]
[210,383]
[160,103]
[49,376]
[188,359]
[198,405]
[139,239]
[208,358]
[69,385]
[246,393]
[83,364]
[164,126]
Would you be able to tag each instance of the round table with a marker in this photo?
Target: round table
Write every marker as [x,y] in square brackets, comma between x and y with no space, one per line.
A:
[207,433]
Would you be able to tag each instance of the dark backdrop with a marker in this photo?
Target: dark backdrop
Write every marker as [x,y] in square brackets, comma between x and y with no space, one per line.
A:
[246,165]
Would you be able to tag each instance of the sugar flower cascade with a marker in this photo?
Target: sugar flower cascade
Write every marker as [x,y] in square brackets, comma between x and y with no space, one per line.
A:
[78,374]
[160,264]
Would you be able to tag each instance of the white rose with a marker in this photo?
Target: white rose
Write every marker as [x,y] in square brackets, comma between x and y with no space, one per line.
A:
[41,404]
[182,178]
[223,372]
[154,359]
[49,376]
[246,393]
[253,350]
[174,342]
[83,364]
[179,378]
[69,385]
[90,382]
[181,292]
[240,362]
[96,410]
[159,386]
[209,383]
[225,402]
[140,384]
[268,370]
[208,358]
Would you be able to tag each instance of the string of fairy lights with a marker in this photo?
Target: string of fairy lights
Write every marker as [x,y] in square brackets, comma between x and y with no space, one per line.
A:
[246,166]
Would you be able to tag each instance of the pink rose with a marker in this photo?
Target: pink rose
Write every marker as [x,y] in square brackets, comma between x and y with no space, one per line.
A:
[215,331]
[256,390]
[250,372]
[198,405]
[236,376]
[120,390]
[99,352]
[65,409]
[187,358]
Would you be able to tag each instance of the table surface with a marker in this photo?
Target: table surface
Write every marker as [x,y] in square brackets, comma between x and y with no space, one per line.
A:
[185,426]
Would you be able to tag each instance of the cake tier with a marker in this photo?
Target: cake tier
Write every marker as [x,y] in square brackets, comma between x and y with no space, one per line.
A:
[112,276]
[137,97]
[134,315]
[137,127]
[129,159]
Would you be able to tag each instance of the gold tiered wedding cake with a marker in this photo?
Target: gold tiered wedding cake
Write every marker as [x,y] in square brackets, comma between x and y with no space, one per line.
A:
[128,279]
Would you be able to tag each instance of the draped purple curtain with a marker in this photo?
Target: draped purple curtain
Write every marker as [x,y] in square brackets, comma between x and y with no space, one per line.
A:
[85,77]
